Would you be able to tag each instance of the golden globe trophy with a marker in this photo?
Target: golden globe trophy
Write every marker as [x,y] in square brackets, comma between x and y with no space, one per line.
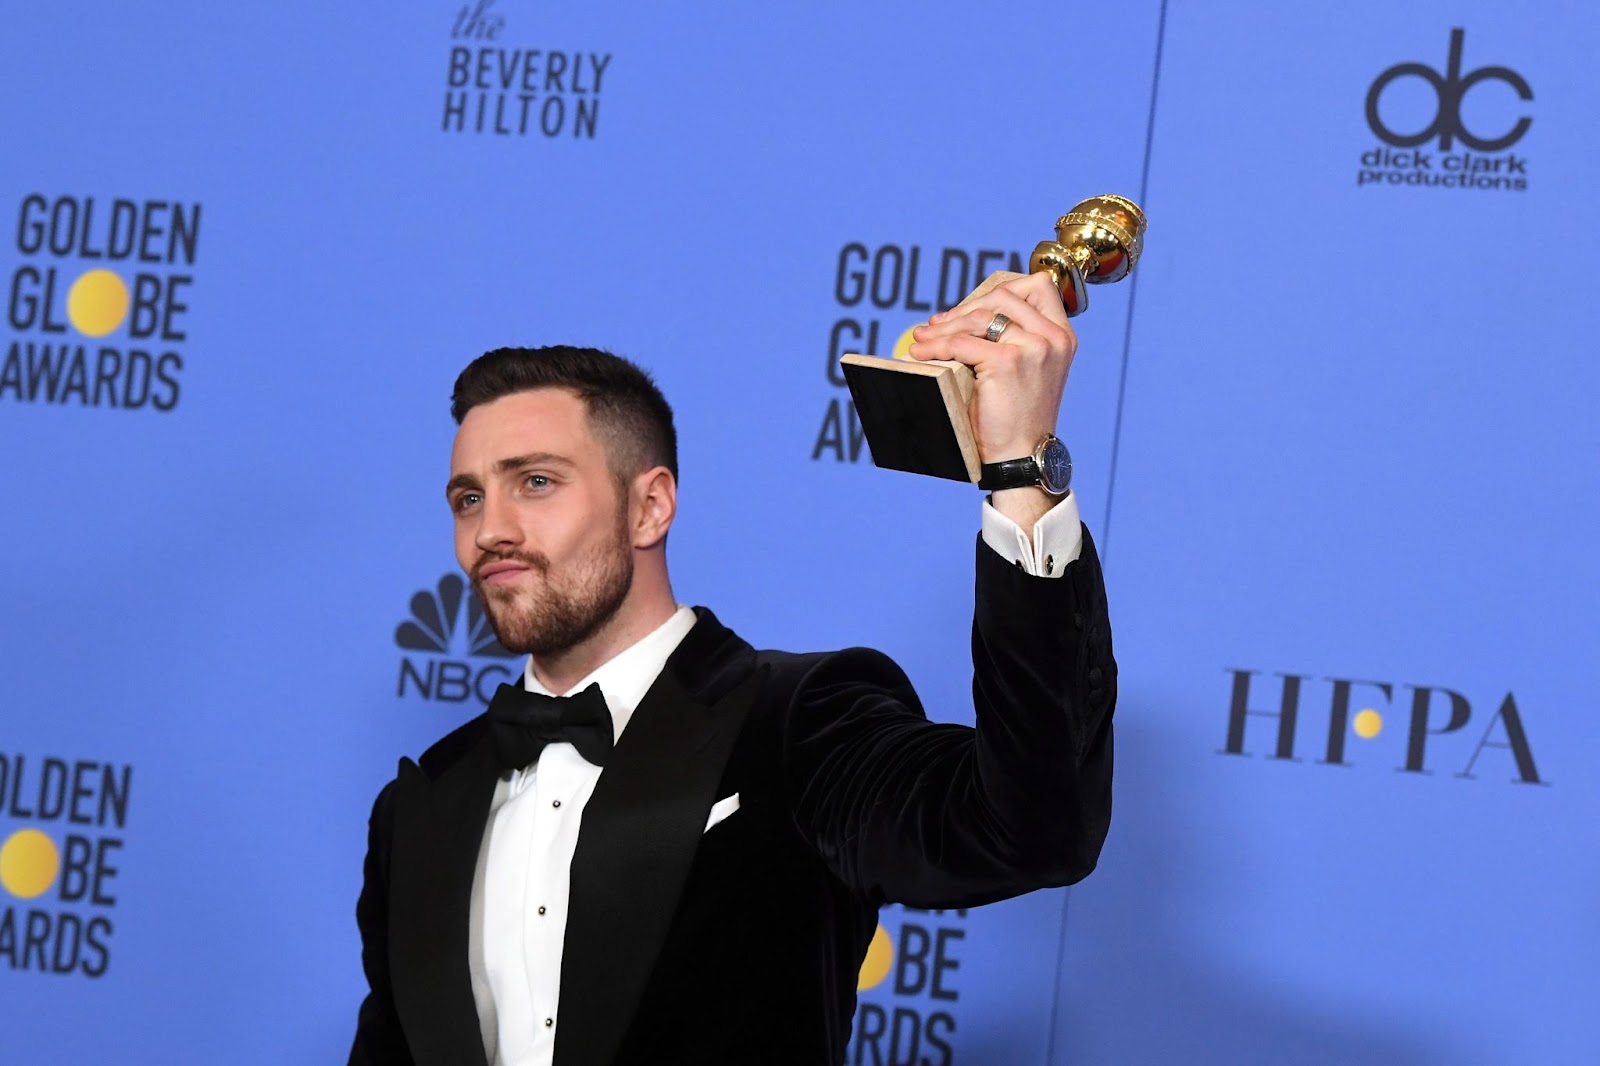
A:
[914,414]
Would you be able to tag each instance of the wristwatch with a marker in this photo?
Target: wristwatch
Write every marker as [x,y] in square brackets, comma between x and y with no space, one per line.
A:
[1049,467]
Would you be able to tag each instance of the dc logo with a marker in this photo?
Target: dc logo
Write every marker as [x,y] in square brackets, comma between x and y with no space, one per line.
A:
[1450,87]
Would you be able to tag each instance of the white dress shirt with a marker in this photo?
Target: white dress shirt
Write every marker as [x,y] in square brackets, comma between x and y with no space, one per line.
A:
[521,885]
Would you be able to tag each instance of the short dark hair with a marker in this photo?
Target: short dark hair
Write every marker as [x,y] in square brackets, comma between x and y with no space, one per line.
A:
[625,407]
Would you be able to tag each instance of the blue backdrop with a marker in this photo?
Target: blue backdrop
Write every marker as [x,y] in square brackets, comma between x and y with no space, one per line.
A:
[1336,437]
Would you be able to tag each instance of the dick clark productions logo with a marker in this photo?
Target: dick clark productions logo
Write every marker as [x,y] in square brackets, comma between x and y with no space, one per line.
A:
[1401,158]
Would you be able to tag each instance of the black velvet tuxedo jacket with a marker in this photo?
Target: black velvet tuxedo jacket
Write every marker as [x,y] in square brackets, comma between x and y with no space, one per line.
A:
[741,944]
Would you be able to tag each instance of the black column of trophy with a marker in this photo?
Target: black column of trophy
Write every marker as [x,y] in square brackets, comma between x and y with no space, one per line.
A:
[914,414]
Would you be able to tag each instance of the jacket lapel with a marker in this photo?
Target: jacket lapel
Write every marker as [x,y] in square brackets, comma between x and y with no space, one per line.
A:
[641,828]
[438,826]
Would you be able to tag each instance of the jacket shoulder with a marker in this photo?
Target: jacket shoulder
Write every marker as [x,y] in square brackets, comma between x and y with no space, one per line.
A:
[792,672]
[444,752]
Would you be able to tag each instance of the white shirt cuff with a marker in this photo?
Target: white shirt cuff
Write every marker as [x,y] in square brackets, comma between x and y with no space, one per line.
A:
[1057,538]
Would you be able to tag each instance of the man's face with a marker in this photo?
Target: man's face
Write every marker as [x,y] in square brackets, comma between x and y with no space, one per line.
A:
[541,526]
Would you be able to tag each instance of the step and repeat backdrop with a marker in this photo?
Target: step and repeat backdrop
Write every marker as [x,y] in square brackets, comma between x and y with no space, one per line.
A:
[1337,438]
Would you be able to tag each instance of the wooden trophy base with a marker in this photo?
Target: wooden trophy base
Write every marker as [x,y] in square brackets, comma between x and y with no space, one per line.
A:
[914,414]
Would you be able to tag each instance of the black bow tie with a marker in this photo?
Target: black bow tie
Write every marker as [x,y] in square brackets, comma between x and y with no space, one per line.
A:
[523,722]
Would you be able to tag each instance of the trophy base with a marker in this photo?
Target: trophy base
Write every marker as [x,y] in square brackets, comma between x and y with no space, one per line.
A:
[914,415]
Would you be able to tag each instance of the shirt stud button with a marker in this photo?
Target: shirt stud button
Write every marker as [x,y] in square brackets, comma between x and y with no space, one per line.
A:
[541,910]
[548,1022]
[555,803]
[1049,564]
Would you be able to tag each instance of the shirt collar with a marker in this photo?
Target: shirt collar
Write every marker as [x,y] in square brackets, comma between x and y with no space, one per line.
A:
[628,675]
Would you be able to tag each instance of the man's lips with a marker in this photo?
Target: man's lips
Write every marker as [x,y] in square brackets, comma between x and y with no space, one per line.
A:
[502,572]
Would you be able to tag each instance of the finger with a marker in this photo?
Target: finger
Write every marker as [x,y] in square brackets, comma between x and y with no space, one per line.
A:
[1032,333]
[1038,289]
[986,286]
[1041,293]
[975,320]
[1025,348]
[1021,303]
[1032,287]
[965,348]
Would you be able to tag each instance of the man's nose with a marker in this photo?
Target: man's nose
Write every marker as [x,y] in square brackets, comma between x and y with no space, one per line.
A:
[497,524]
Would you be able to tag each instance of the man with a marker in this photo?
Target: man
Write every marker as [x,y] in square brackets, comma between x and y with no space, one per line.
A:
[535,895]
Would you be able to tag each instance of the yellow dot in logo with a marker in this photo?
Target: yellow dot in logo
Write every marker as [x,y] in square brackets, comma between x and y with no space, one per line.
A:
[902,347]
[28,863]
[97,303]
[1369,723]
[875,967]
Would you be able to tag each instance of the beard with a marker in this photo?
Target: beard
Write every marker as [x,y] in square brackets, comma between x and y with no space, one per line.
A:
[563,612]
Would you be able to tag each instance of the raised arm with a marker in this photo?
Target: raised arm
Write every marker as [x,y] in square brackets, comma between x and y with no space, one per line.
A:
[937,815]
[940,815]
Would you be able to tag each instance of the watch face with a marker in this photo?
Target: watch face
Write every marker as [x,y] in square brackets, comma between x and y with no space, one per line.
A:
[1055,467]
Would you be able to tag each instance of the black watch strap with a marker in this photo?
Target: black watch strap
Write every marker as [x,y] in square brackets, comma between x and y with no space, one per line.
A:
[1010,474]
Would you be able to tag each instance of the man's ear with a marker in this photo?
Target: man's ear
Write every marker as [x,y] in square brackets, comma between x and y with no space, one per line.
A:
[653,504]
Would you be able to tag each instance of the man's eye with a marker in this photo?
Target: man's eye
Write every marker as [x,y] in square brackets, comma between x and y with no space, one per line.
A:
[466,500]
[536,481]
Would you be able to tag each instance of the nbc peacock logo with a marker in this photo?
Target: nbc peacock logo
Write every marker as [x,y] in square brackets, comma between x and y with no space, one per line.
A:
[451,653]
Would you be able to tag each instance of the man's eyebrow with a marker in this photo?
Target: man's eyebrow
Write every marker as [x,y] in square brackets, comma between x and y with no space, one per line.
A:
[507,465]
[461,481]
[515,462]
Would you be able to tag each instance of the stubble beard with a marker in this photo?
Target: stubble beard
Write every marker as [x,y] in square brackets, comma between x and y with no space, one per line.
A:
[560,614]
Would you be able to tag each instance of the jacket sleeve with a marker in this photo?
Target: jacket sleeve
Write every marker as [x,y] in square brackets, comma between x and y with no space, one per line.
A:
[935,815]
[379,1040]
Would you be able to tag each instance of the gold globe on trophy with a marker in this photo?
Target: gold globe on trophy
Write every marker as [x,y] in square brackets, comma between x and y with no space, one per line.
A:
[1097,242]
[914,413]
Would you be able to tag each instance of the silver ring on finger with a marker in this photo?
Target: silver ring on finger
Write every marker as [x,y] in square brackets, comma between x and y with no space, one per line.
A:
[997,326]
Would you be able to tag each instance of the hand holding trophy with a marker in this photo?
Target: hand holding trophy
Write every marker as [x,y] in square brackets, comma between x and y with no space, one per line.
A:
[919,414]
